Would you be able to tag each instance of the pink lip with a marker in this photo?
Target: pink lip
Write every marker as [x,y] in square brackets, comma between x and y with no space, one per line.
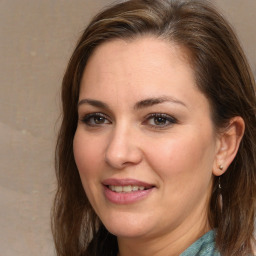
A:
[125,182]
[126,198]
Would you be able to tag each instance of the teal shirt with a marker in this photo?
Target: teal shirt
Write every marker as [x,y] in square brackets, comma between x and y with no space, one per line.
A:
[204,246]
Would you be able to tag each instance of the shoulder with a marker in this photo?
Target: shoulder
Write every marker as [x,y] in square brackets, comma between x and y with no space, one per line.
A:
[204,246]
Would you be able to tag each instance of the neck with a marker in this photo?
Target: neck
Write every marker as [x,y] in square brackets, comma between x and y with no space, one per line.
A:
[171,244]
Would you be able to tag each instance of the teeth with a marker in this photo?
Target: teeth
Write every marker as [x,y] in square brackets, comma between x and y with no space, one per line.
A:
[126,189]
[135,188]
[118,189]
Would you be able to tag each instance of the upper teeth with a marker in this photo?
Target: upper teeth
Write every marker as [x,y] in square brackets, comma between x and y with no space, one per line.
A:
[129,188]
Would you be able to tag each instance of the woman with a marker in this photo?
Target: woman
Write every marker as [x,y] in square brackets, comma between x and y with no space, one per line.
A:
[156,153]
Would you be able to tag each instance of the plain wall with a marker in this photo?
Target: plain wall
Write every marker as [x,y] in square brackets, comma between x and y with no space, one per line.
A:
[36,40]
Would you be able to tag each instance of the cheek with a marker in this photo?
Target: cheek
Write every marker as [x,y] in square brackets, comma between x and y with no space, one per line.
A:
[87,154]
[183,156]
[88,158]
[184,166]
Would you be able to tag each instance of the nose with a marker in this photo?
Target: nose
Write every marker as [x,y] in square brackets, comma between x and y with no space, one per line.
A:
[123,149]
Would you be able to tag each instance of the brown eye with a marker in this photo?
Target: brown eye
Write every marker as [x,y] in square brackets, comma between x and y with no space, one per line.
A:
[95,119]
[160,120]
[99,120]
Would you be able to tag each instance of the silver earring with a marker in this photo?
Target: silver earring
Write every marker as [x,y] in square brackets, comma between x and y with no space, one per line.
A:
[221,167]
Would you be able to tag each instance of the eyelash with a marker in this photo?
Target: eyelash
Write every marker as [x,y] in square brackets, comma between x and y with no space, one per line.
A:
[90,120]
[166,118]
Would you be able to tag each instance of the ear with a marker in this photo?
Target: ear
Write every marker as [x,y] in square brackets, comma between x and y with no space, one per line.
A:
[227,145]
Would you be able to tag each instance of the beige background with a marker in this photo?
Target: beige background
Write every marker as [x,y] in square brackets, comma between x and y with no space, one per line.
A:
[36,40]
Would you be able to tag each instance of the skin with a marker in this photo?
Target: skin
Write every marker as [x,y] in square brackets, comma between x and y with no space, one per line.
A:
[178,155]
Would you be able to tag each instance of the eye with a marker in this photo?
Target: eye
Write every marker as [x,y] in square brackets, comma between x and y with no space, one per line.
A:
[95,119]
[159,120]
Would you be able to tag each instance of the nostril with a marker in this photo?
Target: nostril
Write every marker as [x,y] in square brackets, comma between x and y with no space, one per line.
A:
[123,158]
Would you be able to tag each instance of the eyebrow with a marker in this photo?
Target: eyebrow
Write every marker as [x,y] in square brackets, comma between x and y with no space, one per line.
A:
[139,105]
[95,103]
[158,100]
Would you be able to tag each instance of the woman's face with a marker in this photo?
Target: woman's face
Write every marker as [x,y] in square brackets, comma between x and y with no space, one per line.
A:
[145,144]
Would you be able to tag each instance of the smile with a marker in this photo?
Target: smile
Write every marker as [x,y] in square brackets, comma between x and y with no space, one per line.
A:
[126,189]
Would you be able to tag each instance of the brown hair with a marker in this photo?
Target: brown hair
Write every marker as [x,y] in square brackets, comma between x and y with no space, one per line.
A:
[222,74]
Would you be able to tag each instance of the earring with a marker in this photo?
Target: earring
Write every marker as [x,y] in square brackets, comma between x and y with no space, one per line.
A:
[221,167]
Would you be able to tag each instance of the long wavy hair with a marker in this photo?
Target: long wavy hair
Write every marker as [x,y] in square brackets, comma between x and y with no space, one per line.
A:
[222,74]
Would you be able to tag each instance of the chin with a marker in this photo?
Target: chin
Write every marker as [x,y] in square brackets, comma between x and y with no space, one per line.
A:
[126,233]
[127,227]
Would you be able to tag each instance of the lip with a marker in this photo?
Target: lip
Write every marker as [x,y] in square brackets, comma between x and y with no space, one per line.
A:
[126,198]
[126,182]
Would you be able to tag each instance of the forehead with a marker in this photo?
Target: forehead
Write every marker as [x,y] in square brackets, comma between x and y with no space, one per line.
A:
[141,46]
[141,58]
[126,72]
[120,74]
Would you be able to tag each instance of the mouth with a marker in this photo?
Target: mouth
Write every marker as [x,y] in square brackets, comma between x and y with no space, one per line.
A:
[126,191]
